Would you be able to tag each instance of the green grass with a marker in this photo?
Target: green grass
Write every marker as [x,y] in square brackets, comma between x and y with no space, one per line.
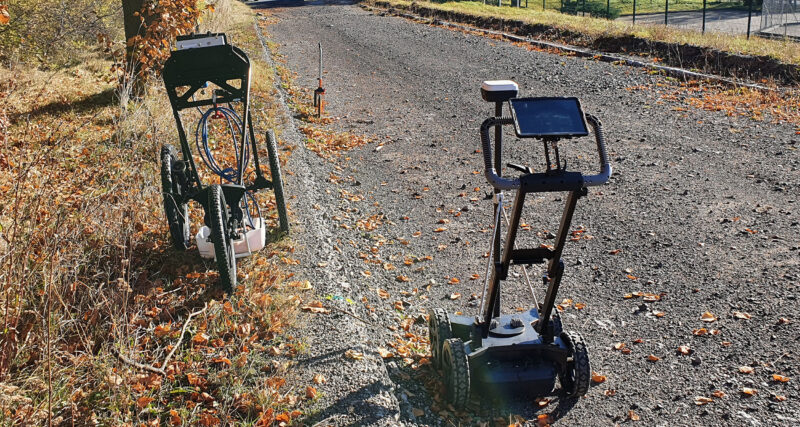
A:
[784,51]
[625,7]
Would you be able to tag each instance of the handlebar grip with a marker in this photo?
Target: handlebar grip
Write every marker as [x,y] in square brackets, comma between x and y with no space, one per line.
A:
[494,180]
[605,167]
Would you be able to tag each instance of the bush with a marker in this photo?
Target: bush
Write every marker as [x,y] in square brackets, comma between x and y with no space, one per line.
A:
[54,32]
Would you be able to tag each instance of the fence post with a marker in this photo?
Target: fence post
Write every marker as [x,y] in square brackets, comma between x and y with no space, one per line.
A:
[544,5]
[666,13]
[634,12]
[608,9]
[704,16]
[749,17]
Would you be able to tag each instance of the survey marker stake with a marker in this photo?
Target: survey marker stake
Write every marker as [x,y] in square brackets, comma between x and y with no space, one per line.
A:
[319,93]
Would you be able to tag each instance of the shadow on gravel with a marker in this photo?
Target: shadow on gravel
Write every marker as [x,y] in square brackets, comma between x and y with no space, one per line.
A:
[354,408]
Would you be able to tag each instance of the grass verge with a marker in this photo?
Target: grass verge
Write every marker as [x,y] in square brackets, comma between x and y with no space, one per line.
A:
[712,52]
[103,322]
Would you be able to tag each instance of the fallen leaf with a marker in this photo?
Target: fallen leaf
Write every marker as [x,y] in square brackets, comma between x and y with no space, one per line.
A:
[614,252]
[633,416]
[619,346]
[386,354]
[453,280]
[440,229]
[741,315]
[580,306]
[747,391]
[780,378]
[543,420]
[746,369]
[626,350]
[783,321]
[311,392]
[319,379]
[778,398]
[383,294]
[200,338]
[684,349]
[659,313]
[718,393]
[700,400]
[455,295]
[708,317]
[699,332]
[475,277]
[653,358]
[352,354]
[316,307]
[402,278]
[598,378]
[143,401]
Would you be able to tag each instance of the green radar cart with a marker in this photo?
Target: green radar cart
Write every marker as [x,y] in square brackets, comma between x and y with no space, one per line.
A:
[210,75]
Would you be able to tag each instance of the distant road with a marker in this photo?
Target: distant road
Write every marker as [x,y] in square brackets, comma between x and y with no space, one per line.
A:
[731,21]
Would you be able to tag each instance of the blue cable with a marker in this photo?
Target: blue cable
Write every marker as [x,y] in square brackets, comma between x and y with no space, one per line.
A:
[229,174]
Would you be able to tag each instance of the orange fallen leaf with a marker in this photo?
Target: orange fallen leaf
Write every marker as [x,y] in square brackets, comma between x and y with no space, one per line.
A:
[580,306]
[708,317]
[402,278]
[699,332]
[543,420]
[316,307]
[778,398]
[718,393]
[319,379]
[200,338]
[631,276]
[747,391]
[352,354]
[475,277]
[311,392]
[383,293]
[633,416]
[619,346]
[610,392]
[780,378]
[598,378]
[614,252]
[653,358]
[741,315]
[143,401]
[455,295]
[386,354]
[453,280]
[440,229]
[625,350]
[701,400]
[684,349]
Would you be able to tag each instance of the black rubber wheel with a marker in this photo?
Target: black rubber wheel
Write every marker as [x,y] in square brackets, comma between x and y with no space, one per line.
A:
[223,247]
[456,372]
[439,331]
[177,214]
[575,381]
[277,180]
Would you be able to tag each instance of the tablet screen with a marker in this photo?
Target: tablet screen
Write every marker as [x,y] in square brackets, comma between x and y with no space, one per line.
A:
[545,117]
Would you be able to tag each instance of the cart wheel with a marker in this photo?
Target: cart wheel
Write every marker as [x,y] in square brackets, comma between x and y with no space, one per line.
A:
[177,214]
[277,180]
[456,372]
[439,331]
[223,248]
[575,381]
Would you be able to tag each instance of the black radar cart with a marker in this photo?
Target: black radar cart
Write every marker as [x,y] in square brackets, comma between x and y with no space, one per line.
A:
[206,71]
[521,353]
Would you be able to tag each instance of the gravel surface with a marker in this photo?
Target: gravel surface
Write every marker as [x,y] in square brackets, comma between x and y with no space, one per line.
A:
[702,210]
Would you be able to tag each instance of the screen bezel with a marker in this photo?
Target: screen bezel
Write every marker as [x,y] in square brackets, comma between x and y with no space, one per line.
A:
[520,134]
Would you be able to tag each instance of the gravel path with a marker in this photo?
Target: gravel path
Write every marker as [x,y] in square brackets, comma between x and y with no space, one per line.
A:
[702,210]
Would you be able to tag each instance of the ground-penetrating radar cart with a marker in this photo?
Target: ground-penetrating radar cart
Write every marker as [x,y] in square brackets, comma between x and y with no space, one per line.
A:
[524,352]
[207,71]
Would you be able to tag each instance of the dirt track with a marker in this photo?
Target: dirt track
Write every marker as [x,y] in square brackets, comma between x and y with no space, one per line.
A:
[702,210]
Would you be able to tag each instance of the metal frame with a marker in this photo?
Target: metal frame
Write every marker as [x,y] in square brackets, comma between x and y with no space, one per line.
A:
[523,351]
[185,73]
